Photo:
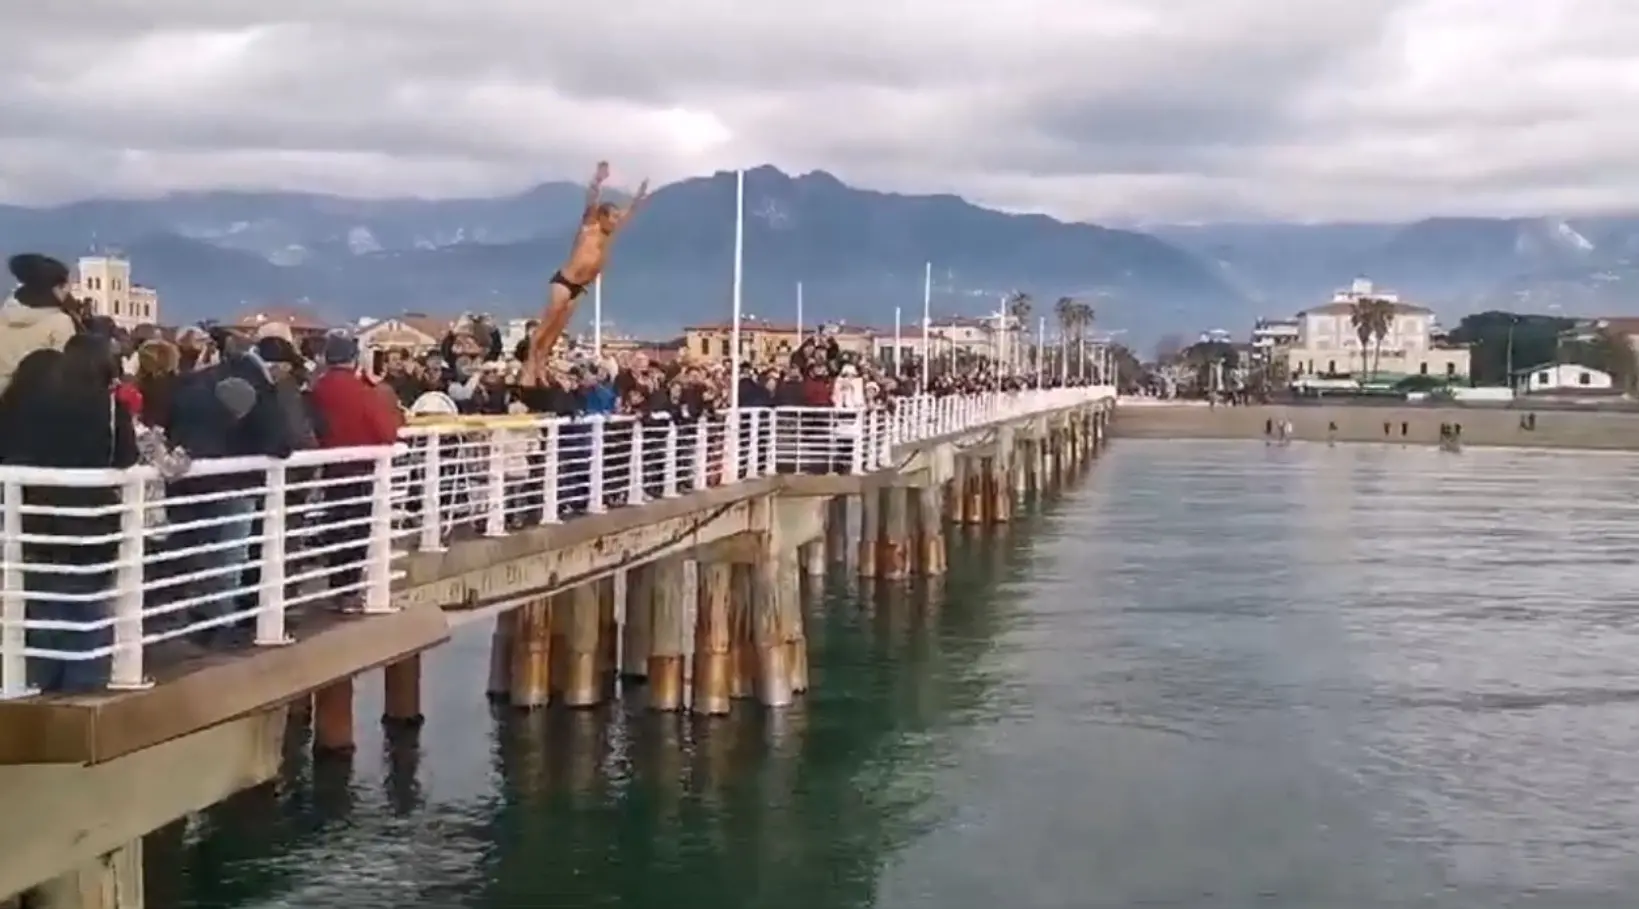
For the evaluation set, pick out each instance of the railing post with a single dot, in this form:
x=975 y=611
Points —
x=432 y=515
x=14 y=605
x=594 y=473
x=733 y=436
x=270 y=601
x=668 y=482
x=861 y=443
x=634 y=479
x=378 y=568
x=771 y=462
x=752 y=439
x=549 y=468
x=495 y=484
x=702 y=453
x=125 y=664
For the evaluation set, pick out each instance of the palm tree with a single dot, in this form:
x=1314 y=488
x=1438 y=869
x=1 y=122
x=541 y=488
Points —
x=1382 y=320
x=1065 y=311
x=1018 y=309
x=1370 y=319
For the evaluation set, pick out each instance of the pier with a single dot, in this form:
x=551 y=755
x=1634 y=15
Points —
x=614 y=557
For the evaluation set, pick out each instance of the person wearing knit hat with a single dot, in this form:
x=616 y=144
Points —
x=340 y=350
x=35 y=316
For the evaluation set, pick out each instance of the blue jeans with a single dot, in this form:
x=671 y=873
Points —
x=54 y=674
x=231 y=526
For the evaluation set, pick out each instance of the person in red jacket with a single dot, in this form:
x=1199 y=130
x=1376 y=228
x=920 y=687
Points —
x=350 y=414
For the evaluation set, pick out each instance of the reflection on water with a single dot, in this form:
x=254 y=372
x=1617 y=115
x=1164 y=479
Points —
x=1215 y=675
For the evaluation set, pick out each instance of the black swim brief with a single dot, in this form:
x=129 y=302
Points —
x=575 y=290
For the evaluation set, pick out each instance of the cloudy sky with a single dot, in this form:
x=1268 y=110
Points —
x=1086 y=109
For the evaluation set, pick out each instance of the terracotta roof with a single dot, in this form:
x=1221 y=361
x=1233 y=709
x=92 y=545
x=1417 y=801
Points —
x=299 y=318
x=427 y=325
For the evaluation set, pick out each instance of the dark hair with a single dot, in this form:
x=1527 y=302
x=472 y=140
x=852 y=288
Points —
x=88 y=364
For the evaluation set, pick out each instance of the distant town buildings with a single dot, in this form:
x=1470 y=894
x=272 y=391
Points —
x=104 y=282
x=1328 y=345
x=1563 y=378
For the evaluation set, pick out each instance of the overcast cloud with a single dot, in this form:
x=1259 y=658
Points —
x=1086 y=109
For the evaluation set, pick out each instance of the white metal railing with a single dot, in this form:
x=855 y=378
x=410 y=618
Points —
x=100 y=569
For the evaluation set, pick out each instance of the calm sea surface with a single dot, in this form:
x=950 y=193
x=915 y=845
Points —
x=1210 y=675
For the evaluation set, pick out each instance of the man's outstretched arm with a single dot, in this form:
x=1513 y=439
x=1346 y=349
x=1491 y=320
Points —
x=638 y=201
x=594 y=190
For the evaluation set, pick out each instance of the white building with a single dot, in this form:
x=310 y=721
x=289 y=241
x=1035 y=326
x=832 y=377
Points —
x=1329 y=346
x=105 y=283
x=1269 y=334
x=1562 y=377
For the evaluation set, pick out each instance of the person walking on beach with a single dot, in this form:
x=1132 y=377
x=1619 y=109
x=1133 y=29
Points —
x=599 y=224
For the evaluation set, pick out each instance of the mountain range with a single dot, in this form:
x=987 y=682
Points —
x=858 y=254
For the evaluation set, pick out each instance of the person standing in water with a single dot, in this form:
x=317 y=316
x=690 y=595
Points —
x=599 y=224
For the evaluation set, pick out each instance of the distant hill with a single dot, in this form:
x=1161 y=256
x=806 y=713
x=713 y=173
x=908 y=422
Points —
x=857 y=252
x=1458 y=265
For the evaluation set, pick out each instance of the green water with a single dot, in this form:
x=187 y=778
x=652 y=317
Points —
x=619 y=807
x=1213 y=675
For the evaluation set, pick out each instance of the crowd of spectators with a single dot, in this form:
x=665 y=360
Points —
x=77 y=392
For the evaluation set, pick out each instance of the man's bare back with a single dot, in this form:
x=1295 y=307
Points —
x=600 y=222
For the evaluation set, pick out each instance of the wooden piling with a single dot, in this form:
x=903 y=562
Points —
x=608 y=634
x=836 y=529
x=580 y=683
x=333 y=718
x=893 y=550
x=1000 y=488
x=499 y=688
x=777 y=596
x=530 y=685
x=741 y=648
x=870 y=532
x=930 y=535
x=713 y=660
x=973 y=493
x=634 y=656
x=667 y=653
x=401 y=692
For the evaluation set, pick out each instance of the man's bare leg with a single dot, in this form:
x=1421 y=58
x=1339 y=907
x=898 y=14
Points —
x=560 y=307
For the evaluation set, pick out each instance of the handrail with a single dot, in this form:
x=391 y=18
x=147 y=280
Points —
x=100 y=568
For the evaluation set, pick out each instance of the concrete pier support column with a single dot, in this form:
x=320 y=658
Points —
x=1044 y=460
x=580 y=683
x=1000 y=488
x=499 y=688
x=668 y=653
x=813 y=558
x=530 y=685
x=113 y=881
x=401 y=692
x=893 y=560
x=956 y=490
x=638 y=629
x=1021 y=466
x=870 y=532
x=930 y=532
x=333 y=718
x=713 y=662
x=836 y=529
x=973 y=491
x=742 y=650
x=608 y=634
x=777 y=600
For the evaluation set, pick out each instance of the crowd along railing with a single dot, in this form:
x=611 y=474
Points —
x=103 y=571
